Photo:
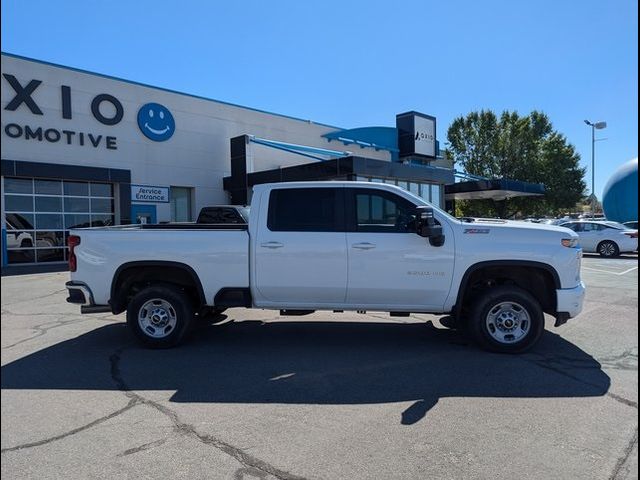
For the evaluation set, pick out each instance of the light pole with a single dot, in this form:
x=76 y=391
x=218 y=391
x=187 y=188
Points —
x=594 y=126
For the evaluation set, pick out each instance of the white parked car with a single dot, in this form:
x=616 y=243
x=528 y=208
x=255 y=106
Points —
x=609 y=239
x=16 y=236
x=555 y=221
x=633 y=225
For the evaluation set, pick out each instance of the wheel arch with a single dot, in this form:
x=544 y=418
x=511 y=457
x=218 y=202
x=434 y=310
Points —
x=500 y=269
x=151 y=271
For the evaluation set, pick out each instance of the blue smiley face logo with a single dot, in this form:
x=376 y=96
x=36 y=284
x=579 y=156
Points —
x=156 y=122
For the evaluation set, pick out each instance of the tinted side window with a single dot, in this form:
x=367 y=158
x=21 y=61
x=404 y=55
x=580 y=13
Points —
x=379 y=211
x=304 y=210
x=573 y=226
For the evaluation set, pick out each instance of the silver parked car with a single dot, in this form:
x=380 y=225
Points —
x=609 y=239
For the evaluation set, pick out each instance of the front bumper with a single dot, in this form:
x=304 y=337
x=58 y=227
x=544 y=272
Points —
x=570 y=301
x=80 y=294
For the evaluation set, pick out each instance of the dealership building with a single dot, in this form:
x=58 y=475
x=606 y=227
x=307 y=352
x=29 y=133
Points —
x=84 y=149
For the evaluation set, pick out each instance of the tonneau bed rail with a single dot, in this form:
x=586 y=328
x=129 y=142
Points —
x=173 y=226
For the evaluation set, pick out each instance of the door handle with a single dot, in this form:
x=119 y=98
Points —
x=364 y=246
x=272 y=245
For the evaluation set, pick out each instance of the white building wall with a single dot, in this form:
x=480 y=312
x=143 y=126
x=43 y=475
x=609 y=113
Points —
x=196 y=156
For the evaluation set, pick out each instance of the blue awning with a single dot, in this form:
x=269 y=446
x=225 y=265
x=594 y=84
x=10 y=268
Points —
x=378 y=138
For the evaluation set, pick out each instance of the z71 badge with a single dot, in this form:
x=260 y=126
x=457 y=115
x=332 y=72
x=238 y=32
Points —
x=474 y=231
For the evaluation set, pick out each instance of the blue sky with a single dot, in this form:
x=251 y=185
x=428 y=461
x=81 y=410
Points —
x=360 y=63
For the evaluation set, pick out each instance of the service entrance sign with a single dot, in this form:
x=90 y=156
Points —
x=148 y=193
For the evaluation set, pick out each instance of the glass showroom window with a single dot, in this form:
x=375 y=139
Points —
x=425 y=191
x=435 y=195
x=39 y=214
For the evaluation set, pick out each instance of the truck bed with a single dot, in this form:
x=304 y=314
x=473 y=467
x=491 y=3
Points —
x=217 y=253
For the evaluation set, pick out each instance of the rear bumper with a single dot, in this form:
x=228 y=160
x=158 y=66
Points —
x=80 y=294
x=630 y=245
x=570 y=301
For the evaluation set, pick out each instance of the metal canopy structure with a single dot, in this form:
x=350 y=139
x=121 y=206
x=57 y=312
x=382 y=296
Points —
x=500 y=189
x=345 y=167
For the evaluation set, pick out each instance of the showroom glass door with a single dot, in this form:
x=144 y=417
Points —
x=180 y=204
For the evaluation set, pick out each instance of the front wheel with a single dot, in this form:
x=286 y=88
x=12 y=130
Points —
x=608 y=249
x=160 y=316
x=506 y=319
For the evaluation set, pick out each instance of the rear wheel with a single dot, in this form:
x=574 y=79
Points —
x=160 y=316
x=608 y=249
x=506 y=319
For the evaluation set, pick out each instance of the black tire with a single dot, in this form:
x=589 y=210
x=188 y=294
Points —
x=161 y=298
x=608 y=249
x=506 y=300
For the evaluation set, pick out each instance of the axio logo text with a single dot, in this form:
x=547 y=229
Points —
x=156 y=122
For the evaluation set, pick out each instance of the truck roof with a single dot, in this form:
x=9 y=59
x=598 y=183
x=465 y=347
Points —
x=327 y=183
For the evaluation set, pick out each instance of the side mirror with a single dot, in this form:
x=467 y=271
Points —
x=426 y=226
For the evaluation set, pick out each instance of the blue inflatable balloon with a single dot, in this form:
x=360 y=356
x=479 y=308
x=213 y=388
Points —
x=620 y=196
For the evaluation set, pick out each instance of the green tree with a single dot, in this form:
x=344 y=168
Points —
x=517 y=148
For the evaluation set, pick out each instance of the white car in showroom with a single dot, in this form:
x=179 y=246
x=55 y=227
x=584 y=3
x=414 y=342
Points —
x=609 y=239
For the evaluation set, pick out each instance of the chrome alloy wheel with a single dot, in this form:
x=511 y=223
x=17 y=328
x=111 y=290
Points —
x=508 y=322
x=607 y=249
x=157 y=318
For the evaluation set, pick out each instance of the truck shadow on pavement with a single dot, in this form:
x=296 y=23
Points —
x=311 y=362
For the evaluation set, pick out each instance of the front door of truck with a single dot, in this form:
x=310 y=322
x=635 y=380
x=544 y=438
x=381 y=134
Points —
x=390 y=265
x=300 y=250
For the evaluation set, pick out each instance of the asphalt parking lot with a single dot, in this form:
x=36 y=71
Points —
x=326 y=396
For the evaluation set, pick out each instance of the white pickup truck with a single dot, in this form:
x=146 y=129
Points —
x=333 y=246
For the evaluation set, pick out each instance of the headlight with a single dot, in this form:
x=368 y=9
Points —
x=569 y=242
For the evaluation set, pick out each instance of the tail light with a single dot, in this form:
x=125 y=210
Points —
x=73 y=241
x=632 y=234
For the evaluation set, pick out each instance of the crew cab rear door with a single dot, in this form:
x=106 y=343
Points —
x=300 y=249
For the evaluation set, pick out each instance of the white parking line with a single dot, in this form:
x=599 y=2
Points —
x=610 y=272
x=627 y=271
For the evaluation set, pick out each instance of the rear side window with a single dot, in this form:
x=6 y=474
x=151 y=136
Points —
x=305 y=210
x=576 y=227
x=591 y=227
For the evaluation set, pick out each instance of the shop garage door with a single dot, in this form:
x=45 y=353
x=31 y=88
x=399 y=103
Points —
x=40 y=212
